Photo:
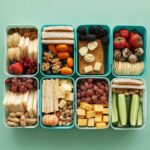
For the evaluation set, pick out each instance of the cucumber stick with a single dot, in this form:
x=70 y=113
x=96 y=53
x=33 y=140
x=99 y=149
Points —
x=122 y=109
x=140 y=115
x=134 y=109
x=128 y=104
x=114 y=108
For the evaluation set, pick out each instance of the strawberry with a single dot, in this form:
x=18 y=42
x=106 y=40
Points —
x=117 y=34
x=136 y=40
x=127 y=45
x=119 y=42
x=124 y=33
x=15 y=68
x=132 y=33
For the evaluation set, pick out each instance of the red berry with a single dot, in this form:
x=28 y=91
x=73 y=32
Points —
x=124 y=33
x=117 y=34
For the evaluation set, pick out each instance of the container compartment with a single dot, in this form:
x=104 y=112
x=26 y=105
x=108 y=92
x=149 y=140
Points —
x=92 y=103
x=21 y=102
x=57 y=103
x=57 y=47
x=21 y=50
x=93 y=50
x=129 y=59
x=128 y=100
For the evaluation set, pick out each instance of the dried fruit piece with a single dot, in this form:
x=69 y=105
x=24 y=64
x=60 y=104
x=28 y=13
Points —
x=89 y=58
x=70 y=62
x=83 y=51
x=132 y=58
x=66 y=71
x=92 y=45
x=63 y=55
x=52 y=48
x=62 y=47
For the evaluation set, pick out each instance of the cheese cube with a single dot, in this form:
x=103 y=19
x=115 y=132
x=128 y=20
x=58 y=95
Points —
x=69 y=97
x=66 y=87
x=105 y=111
x=101 y=125
x=61 y=92
x=91 y=122
x=82 y=103
x=105 y=118
x=86 y=106
x=97 y=66
x=82 y=122
x=62 y=103
x=80 y=112
x=90 y=114
x=88 y=69
x=98 y=108
x=98 y=117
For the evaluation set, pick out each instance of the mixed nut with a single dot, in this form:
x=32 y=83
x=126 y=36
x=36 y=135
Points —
x=57 y=105
x=21 y=102
x=58 y=50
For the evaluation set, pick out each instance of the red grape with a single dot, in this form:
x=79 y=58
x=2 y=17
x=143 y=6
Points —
x=89 y=80
x=13 y=88
x=86 y=85
x=95 y=88
x=78 y=95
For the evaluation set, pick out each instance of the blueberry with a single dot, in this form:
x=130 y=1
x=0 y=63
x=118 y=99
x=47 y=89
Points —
x=82 y=30
x=81 y=37
x=90 y=37
x=92 y=30
x=105 y=40
x=99 y=28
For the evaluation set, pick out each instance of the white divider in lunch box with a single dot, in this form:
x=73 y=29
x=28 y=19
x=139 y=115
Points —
x=6 y=48
x=144 y=99
x=5 y=114
x=109 y=106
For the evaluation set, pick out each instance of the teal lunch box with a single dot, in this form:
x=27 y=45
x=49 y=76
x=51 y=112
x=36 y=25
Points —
x=40 y=109
x=109 y=104
x=107 y=52
x=143 y=32
x=41 y=52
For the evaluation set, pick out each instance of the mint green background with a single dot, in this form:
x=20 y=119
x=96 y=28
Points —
x=115 y=12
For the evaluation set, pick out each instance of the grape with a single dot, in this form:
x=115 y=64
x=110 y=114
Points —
x=103 y=98
x=89 y=92
x=89 y=80
x=102 y=88
x=86 y=85
x=99 y=84
x=8 y=81
x=94 y=101
x=90 y=85
x=95 y=88
x=94 y=97
x=104 y=94
x=35 y=84
x=83 y=93
x=78 y=95
x=88 y=99
x=22 y=88
x=100 y=91
x=78 y=90
x=29 y=86
x=14 y=80
x=83 y=88
x=13 y=88
x=106 y=90
x=30 y=81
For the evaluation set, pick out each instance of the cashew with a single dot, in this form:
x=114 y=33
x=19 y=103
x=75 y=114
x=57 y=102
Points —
x=19 y=114
x=12 y=115
x=16 y=120
x=32 y=121
x=12 y=124
x=68 y=119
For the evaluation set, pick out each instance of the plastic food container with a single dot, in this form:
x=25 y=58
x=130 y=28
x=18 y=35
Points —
x=107 y=52
x=5 y=114
x=41 y=114
x=6 y=48
x=143 y=32
x=109 y=106
x=41 y=52
x=144 y=98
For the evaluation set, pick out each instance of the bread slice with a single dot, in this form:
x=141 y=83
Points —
x=58 y=28
x=123 y=81
x=65 y=41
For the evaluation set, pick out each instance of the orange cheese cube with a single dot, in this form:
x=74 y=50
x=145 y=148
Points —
x=105 y=111
x=101 y=125
x=105 y=118
x=82 y=122
x=80 y=112
x=86 y=106
x=90 y=114
x=98 y=117
x=91 y=122
x=98 y=108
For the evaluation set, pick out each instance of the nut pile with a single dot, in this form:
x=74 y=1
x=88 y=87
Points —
x=22 y=50
x=57 y=106
x=92 y=103
x=128 y=52
x=58 y=50
x=20 y=102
